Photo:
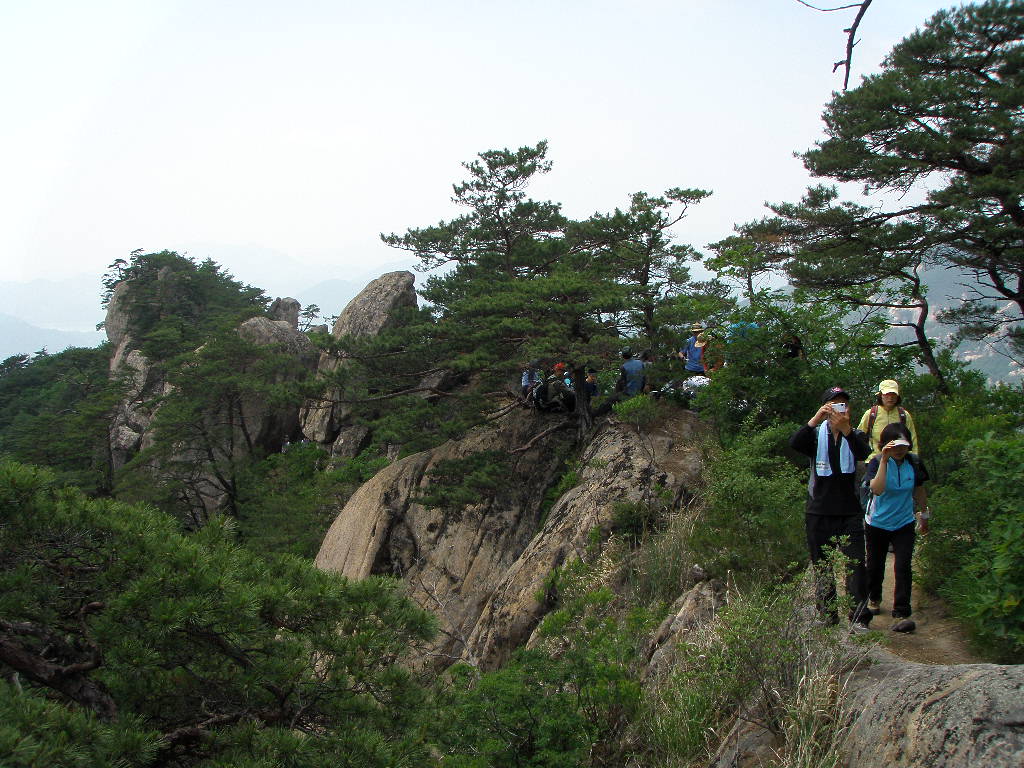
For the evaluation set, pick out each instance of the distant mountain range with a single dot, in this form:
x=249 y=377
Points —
x=18 y=337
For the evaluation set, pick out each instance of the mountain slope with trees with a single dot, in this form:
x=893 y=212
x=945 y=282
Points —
x=621 y=583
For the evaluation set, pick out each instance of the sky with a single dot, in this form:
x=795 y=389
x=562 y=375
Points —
x=280 y=139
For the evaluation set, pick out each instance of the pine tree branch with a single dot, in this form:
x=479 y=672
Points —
x=71 y=680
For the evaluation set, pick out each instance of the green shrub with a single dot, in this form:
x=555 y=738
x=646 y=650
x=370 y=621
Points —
x=634 y=520
x=458 y=483
x=288 y=500
x=638 y=411
x=988 y=592
x=565 y=702
x=973 y=553
x=762 y=657
x=752 y=516
x=192 y=643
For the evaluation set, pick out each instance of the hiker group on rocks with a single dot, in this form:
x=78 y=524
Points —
x=865 y=494
x=861 y=521
x=701 y=355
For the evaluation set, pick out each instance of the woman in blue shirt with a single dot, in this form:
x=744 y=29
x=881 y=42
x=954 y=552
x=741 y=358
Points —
x=897 y=485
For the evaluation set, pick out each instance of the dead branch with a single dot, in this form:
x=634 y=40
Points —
x=545 y=433
x=851 y=34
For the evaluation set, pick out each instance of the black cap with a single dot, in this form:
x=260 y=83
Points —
x=832 y=393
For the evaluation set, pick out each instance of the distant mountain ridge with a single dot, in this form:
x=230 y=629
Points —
x=18 y=337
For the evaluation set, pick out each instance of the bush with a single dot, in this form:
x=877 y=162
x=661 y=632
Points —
x=288 y=500
x=763 y=658
x=974 y=552
x=638 y=411
x=192 y=643
x=988 y=592
x=752 y=517
x=565 y=702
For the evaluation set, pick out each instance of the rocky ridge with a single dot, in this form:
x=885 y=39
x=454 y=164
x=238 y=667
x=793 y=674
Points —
x=326 y=421
x=267 y=425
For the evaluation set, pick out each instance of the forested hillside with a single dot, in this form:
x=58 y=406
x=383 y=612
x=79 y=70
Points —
x=486 y=519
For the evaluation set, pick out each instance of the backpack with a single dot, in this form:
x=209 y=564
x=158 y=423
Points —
x=874 y=415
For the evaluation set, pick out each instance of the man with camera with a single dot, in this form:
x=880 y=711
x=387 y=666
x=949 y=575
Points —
x=834 y=518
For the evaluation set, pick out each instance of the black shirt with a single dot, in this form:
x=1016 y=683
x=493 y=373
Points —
x=834 y=494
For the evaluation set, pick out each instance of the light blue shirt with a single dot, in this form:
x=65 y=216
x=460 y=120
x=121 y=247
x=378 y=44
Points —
x=894 y=508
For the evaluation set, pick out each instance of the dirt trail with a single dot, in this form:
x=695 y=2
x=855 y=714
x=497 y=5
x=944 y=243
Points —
x=938 y=639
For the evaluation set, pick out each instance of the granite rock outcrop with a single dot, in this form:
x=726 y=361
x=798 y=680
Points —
x=480 y=569
x=326 y=421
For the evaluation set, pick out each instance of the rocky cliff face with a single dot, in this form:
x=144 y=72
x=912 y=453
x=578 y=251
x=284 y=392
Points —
x=268 y=426
x=480 y=570
x=367 y=314
x=143 y=386
x=115 y=324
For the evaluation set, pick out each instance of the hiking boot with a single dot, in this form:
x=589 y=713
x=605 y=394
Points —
x=859 y=628
x=875 y=606
x=904 y=625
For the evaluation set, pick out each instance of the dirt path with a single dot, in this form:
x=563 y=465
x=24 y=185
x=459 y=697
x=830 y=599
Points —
x=938 y=638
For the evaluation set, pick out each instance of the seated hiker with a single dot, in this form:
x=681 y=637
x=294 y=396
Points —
x=557 y=395
x=532 y=376
x=590 y=384
x=632 y=375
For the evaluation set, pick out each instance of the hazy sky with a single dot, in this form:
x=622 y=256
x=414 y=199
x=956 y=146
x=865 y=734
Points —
x=281 y=138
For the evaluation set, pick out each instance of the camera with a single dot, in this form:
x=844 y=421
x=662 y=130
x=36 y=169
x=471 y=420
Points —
x=838 y=407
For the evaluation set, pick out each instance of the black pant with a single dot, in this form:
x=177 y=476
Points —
x=902 y=540
x=846 y=534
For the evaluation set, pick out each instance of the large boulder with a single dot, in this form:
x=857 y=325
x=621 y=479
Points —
x=692 y=610
x=452 y=560
x=287 y=310
x=619 y=465
x=269 y=425
x=901 y=714
x=480 y=569
x=933 y=716
x=369 y=313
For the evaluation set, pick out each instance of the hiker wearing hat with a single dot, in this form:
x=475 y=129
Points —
x=834 y=518
x=887 y=410
x=692 y=353
x=896 y=478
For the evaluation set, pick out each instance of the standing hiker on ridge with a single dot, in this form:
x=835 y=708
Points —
x=887 y=410
x=896 y=478
x=834 y=518
x=632 y=375
x=691 y=354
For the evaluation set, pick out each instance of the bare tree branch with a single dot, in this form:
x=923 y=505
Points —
x=545 y=433
x=851 y=33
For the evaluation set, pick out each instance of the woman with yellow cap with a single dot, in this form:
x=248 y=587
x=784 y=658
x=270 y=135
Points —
x=887 y=410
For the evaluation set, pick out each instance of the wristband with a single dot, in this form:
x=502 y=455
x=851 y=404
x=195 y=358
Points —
x=925 y=513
